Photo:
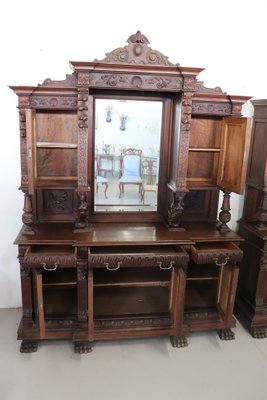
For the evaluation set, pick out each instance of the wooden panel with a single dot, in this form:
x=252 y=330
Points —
x=202 y=165
x=56 y=126
x=56 y=162
x=258 y=154
x=205 y=132
x=233 y=156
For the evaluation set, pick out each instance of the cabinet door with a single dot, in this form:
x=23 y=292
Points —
x=233 y=154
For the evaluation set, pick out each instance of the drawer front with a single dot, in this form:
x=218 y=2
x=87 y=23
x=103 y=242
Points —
x=116 y=261
x=221 y=253
x=49 y=258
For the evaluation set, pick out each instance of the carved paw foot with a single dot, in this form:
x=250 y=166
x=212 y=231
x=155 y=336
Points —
x=28 y=346
x=226 y=334
x=82 y=347
x=179 y=341
x=259 y=332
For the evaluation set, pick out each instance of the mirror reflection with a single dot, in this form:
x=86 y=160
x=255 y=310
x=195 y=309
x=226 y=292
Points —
x=127 y=150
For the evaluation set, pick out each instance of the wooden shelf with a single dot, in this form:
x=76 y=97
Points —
x=131 y=277
x=55 y=145
x=205 y=149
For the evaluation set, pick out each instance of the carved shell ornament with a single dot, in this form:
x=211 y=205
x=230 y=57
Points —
x=136 y=52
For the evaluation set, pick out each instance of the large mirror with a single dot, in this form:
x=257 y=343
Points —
x=127 y=152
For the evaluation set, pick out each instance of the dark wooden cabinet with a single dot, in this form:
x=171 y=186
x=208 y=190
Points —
x=251 y=304
x=151 y=260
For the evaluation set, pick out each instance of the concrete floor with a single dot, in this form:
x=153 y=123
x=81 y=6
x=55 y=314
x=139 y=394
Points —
x=149 y=369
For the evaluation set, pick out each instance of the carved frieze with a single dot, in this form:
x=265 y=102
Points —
x=127 y=323
x=133 y=81
x=202 y=107
x=117 y=261
x=49 y=261
x=136 y=52
x=64 y=102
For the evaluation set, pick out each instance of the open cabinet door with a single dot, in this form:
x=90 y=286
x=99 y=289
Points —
x=233 y=154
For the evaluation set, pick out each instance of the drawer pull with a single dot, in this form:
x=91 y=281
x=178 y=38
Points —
x=115 y=268
x=221 y=264
x=50 y=269
x=159 y=263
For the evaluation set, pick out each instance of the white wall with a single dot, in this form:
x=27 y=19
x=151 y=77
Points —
x=39 y=38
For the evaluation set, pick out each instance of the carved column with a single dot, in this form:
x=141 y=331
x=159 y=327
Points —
x=225 y=215
x=82 y=211
x=177 y=203
x=28 y=216
x=82 y=257
x=26 y=285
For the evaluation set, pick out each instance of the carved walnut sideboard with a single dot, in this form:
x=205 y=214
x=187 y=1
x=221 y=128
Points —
x=92 y=270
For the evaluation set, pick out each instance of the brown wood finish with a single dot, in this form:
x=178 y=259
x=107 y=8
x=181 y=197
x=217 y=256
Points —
x=251 y=305
x=85 y=276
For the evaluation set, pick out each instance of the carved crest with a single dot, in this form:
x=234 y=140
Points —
x=136 y=52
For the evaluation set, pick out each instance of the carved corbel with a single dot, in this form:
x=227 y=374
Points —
x=176 y=209
x=82 y=212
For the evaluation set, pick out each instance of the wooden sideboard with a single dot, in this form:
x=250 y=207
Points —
x=128 y=265
x=251 y=305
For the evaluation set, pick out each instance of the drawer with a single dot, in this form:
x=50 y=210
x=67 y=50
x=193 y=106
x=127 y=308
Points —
x=217 y=252
x=112 y=258
x=50 y=257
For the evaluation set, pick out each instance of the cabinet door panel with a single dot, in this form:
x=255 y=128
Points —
x=233 y=155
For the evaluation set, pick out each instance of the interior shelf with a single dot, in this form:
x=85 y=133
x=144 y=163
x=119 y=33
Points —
x=131 y=277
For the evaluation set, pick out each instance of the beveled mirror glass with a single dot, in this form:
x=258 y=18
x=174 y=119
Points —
x=127 y=153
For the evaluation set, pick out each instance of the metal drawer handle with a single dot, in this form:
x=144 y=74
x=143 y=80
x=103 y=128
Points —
x=50 y=269
x=159 y=263
x=119 y=263
x=221 y=264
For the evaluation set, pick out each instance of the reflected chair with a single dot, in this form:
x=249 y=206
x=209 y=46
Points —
x=150 y=166
x=100 y=180
x=130 y=169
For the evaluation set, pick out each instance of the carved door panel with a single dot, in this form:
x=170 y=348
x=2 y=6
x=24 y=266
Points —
x=227 y=285
x=233 y=154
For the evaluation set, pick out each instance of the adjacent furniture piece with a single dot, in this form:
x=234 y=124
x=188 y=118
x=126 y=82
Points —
x=251 y=304
x=88 y=275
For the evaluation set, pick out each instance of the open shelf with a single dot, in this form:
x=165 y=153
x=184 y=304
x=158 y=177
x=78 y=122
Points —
x=121 y=301
x=131 y=277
